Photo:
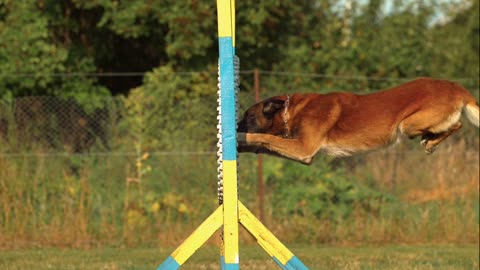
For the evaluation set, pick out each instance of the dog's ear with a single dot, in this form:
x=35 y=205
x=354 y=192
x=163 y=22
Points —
x=272 y=106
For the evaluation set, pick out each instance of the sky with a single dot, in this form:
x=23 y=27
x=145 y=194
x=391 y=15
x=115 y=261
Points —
x=390 y=6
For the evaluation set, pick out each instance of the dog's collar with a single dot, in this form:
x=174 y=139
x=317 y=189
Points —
x=286 y=117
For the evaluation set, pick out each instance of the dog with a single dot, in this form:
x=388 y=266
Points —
x=299 y=126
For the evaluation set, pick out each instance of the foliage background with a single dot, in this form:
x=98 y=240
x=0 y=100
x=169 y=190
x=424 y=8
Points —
x=107 y=119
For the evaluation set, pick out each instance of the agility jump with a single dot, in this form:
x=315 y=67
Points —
x=231 y=211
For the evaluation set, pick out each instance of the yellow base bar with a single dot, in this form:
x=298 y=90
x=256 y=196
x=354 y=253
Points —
x=264 y=237
x=281 y=254
x=199 y=236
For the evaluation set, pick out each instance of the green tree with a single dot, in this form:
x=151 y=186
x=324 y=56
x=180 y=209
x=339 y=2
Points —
x=32 y=62
x=301 y=36
x=172 y=112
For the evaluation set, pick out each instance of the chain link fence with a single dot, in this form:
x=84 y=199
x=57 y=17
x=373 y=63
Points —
x=56 y=125
x=65 y=125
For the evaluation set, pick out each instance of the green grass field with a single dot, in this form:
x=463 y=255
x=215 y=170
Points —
x=252 y=257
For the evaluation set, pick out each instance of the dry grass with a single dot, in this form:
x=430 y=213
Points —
x=452 y=172
x=42 y=203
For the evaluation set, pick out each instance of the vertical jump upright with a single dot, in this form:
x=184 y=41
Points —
x=231 y=211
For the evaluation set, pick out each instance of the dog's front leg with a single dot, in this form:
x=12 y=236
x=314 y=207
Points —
x=290 y=148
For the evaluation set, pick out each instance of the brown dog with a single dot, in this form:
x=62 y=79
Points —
x=341 y=124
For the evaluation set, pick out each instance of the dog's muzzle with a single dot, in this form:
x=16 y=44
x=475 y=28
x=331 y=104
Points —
x=242 y=126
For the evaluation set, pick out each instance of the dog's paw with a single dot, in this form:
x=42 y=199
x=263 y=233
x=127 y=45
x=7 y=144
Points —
x=241 y=138
x=430 y=149
x=424 y=142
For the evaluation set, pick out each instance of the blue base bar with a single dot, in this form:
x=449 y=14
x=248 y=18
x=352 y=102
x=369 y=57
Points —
x=293 y=264
x=169 y=264
x=228 y=266
x=222 y=262
x=296 y=264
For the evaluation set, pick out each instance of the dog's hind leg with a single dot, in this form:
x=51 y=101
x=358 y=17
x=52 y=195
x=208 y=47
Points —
x=434 y=127
x=431 y=140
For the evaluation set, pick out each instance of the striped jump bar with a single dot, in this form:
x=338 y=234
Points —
x=232 y=212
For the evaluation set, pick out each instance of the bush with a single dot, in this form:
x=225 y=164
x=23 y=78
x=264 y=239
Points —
x=320 y=191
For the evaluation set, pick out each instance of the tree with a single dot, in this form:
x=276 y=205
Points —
x=31 y=60
x=80 y=36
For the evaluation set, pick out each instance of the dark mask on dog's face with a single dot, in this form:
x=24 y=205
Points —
x=259 y=118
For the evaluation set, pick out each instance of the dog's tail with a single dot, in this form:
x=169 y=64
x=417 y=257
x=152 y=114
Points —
x=472 y=112
x=470 y=106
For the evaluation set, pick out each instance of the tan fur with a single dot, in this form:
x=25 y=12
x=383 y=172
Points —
x=341 y=124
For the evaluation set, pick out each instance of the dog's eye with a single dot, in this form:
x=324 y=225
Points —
x=251 y=116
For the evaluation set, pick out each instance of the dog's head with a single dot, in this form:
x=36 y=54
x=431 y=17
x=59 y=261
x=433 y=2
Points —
x=261 y=117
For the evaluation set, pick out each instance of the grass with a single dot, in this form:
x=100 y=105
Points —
x=398 y=257
x=86 y=200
